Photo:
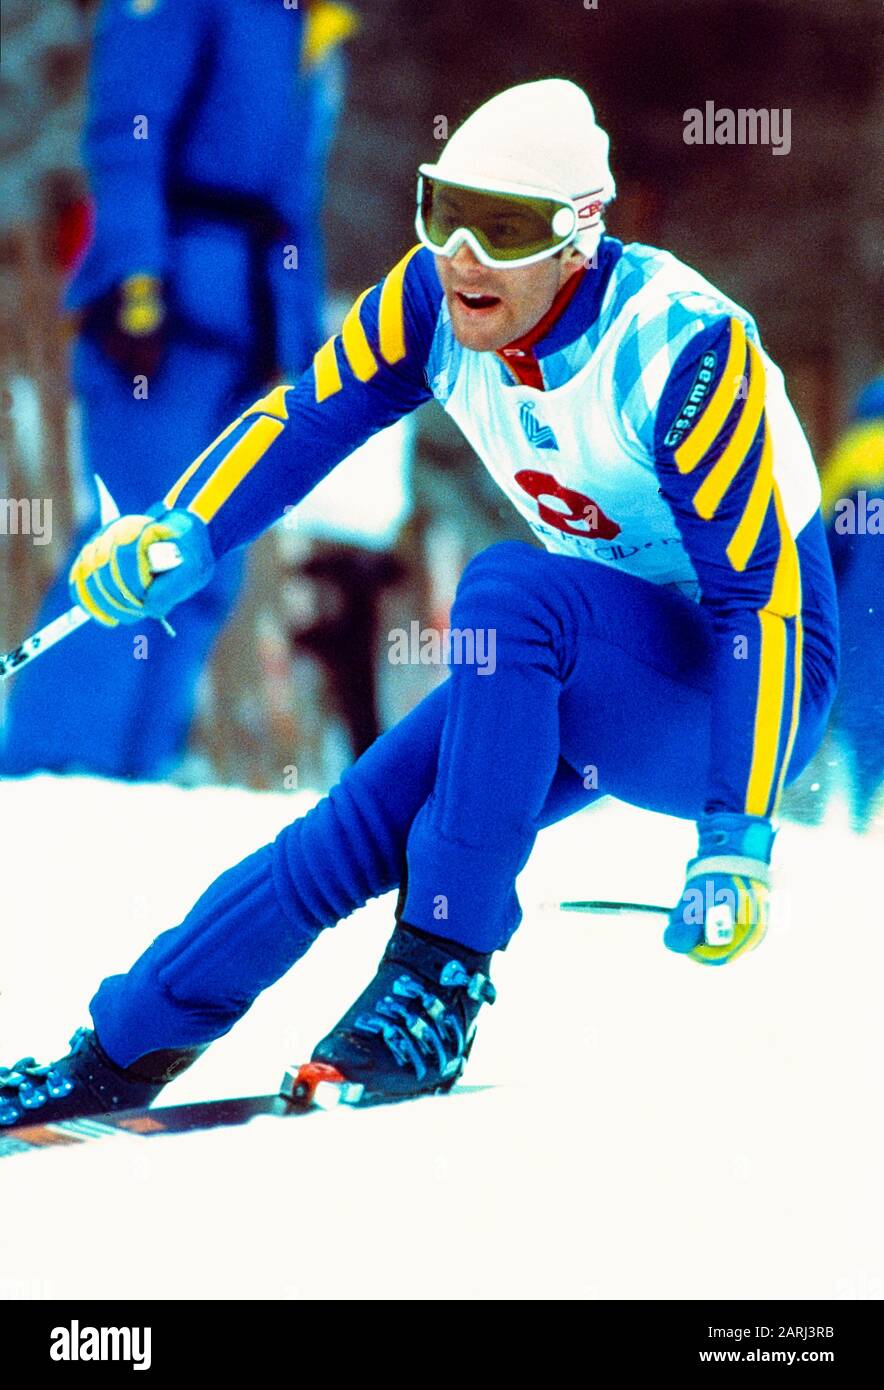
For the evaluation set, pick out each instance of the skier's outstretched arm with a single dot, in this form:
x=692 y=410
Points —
x=364 y=378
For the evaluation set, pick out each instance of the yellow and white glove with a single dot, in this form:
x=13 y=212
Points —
x=724 y=907
x=114 y=580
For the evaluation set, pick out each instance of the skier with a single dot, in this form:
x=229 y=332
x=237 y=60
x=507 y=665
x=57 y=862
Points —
x=678 y=633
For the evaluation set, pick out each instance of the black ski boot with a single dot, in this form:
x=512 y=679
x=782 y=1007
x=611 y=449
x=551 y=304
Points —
x=410 y=1032
x=85 y=1082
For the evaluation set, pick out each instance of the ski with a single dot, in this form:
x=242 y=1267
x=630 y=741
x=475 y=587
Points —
x=305 y=1090
x=145 y=1122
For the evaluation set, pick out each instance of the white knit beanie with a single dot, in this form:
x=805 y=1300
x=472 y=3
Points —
x=540 y=134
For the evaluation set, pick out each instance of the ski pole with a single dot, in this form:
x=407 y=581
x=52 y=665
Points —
x=162 y=556
x=603 y=906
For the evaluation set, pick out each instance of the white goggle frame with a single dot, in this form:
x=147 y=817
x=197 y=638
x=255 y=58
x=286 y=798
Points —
x=463 y=234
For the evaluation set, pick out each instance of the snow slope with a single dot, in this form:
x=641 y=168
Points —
x=653 y=1130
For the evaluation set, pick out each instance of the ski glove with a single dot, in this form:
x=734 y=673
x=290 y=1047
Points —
x=112 y=576
x=723 y=910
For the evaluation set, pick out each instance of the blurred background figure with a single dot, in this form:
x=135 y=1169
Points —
x=206 y=139
x=853 y=505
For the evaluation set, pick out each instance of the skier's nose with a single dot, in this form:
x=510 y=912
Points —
x=464 y=258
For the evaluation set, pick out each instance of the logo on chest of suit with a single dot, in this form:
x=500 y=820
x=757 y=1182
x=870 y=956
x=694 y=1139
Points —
x=540 y=435
x=573 y=512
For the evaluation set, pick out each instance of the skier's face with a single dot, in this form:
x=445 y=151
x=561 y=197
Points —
x=489 y=308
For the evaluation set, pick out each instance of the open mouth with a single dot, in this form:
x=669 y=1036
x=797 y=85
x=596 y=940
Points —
x=477 y=301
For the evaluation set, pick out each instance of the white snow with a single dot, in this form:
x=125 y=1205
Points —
x=651 y=1129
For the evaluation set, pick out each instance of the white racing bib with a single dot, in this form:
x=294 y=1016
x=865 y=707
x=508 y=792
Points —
x=585 y=483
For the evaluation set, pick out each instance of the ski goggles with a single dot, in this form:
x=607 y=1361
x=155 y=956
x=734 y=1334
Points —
x=505 y=226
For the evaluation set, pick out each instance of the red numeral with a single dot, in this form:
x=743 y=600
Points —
x=581 y=508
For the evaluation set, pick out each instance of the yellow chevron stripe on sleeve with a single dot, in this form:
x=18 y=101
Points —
x=725 y=469
x=391 y=320
x=274 y=403
x=768 y=712
x=239 y=461
x=356 y=345
x=784 y=602
x=178 y=487
x=694 y=446
x=785 y=595
x=745 y=538
x=326 y=371
x=796 y=710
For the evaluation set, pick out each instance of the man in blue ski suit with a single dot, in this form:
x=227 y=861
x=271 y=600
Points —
x=677 y=634
x=209 y=123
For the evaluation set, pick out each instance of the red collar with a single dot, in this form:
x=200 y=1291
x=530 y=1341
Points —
x=519 y=355
x=524 y=344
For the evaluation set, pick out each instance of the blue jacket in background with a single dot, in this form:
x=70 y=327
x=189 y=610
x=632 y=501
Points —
x=206 y=139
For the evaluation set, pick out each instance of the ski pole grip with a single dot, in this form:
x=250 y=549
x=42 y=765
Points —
x=163 y=556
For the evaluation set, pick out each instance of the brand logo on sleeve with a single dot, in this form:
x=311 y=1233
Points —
x=693 y=400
